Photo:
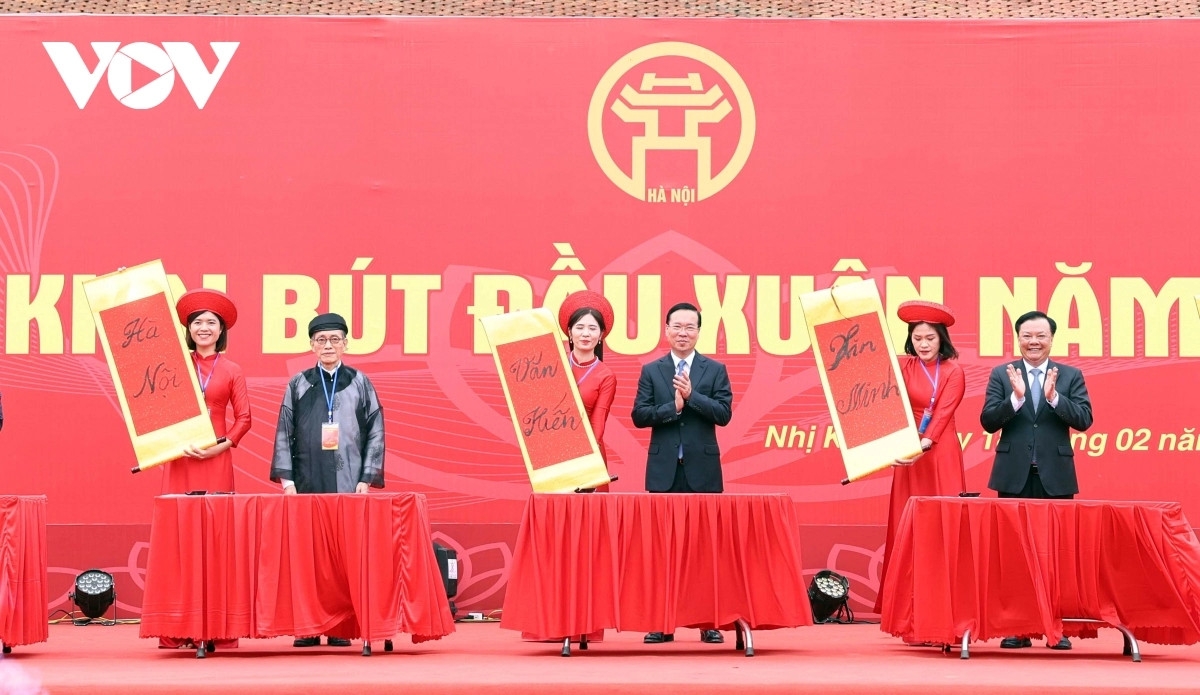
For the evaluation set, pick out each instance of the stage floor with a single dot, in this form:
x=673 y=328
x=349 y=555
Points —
x=843 y=659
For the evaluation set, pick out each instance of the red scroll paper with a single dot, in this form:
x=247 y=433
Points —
x=863 y=384
x=552 y=426
x=154 y=378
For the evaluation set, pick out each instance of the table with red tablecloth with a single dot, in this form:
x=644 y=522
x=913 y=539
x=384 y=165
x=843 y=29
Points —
x=988 y=568
x=23 y=570
x=353 y=566
x=653 y=563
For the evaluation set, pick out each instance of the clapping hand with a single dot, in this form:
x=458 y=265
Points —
x=1051 y=382
x=683 y=390
x=683 y=385
x=1017 y=381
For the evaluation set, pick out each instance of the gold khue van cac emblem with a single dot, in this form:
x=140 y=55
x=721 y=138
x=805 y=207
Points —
x=671 y=123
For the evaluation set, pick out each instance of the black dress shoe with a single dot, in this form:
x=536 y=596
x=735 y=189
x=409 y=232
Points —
x=307 y=642
x=1015 y=643
x=658 y=638
x=1063 y=645
x=712 y=637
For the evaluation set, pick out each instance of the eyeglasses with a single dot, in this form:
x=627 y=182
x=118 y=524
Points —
x=332 y=340
x=676 y=328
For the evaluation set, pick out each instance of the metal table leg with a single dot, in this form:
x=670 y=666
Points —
x=1131 y=645
x=1130 y=648
x=744 y=633
x=566 y=649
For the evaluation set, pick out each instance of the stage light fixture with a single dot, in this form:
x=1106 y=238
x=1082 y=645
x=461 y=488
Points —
x=829 y=594
x=94 y=593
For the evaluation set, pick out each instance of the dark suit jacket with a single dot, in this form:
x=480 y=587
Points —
x=711 y=404
x=1046 y=433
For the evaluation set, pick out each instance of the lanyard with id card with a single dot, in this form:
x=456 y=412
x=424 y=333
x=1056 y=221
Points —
x=329 y=429
x=937 y=373
x=200 y=374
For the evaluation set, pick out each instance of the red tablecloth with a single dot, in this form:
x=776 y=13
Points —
x=653 y=562
x=1016 y=567
x=354 y=566
x=23 y=599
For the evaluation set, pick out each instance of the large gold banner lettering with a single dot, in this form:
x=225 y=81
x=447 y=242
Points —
x=552 y=426
x=154 y=377
x=860 y=374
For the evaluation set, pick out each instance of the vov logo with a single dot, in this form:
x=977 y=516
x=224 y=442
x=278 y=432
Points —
x=117 y=60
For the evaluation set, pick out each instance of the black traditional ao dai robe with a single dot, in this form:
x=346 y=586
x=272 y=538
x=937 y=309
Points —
x=298 y=454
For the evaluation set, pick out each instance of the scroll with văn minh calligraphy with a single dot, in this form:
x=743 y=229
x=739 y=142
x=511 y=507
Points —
x=155 y=380
x=553 y=429
x=863 y=385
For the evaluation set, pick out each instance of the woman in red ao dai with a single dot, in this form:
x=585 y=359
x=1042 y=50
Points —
x=935 y=385
x=208 y=315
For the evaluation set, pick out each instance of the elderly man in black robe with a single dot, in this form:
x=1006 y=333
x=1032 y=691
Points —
x=330 y=432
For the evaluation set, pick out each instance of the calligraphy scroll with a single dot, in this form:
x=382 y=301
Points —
x=155 y=381
x=864 y=387
x=552 y=426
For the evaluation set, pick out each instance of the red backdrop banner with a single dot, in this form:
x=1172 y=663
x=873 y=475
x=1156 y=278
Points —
x=417 y=174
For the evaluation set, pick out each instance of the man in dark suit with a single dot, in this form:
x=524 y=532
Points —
x=1036 y=403
x=683 y=396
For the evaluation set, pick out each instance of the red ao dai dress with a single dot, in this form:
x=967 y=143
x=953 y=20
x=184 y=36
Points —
x=939 y=471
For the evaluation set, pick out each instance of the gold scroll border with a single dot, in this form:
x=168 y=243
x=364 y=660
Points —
x=124 y=286
x=586 y=471
x=859 y=299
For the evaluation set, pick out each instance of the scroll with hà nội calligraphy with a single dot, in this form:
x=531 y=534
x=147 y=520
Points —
x=154 y=377
x=553 y=429
x=863 y=385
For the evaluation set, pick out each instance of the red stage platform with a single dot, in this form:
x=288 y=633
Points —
x=844 y=659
